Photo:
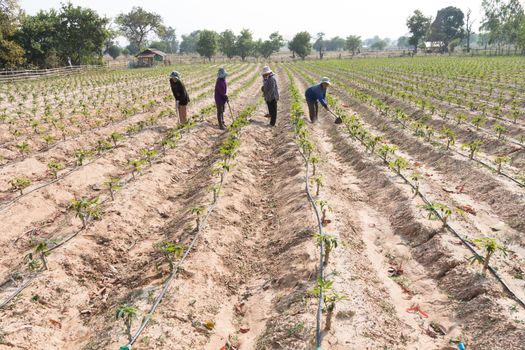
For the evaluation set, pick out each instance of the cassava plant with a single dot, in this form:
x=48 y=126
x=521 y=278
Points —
x=415 y=177
x=149 y=155
x=500 y=161
x=136 y=166
x=319 y=182
x=86 y=209
x=330 y=299
x=197 y=211
x=127 y=313
x=115 y=137
x=490 y=247
x=399 y=164
x=473 y=147
x=81 y=155
x=329 y=242
x=54 y=167
x=20 y=183
x=113 y=184
x=170 y=251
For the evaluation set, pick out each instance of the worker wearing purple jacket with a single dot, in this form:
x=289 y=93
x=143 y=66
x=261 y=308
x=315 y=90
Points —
x=221 y=97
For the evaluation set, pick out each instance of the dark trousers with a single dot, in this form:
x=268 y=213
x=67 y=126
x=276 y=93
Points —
x=272 y=110
x=220 y=113
x=313 y=108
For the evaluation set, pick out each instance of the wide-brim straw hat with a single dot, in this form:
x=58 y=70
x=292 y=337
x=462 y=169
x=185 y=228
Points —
x=175 y=74
x=222 y=73
x=325 y=80
x=266 y=70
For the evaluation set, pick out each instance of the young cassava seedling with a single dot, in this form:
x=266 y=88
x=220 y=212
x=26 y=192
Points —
x=86 y=209
x=20 y=183
x=115 y=137
x=136 y=166
x=126 y=313
x=473 y=147
x=113 y=184
x=81 y=155
x=330 y=298
x=197 y=211
x=170 y=252
x=491 y=247
x=149 y=155
x=54 y=167
x=416 y=176
x=330 y=242
x=500 y=160
x=318 y=180
x=314 y=160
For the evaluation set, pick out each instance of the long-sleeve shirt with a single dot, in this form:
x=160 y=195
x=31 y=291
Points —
x=221 y=89
x=179 y=91
x=316 y=93
x=270 y=89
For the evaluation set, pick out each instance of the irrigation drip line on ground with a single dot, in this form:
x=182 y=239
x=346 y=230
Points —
x=173 y=274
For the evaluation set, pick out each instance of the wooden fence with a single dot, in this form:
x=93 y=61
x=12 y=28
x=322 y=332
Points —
x=15 y=75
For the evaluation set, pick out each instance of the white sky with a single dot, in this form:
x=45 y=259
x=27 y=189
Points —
x=386 y=18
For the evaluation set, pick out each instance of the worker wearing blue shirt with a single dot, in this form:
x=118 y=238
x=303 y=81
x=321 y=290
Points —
x=317 y=94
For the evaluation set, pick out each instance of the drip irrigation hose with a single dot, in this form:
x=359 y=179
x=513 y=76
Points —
x=173 y=274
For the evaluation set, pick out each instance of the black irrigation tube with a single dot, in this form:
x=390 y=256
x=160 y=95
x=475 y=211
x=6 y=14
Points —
x=73 y=235
x=520 y=184
x=7 y=204
x=173 y=274
x=318 y=333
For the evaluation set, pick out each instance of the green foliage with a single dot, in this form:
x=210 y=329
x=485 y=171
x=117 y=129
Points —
x=500 y=160
x=418 y=26
x=399 y=164
x=170 y=252
x=207 y=44
x=113 y=184
x=300 y=44
x=137 y=24
x=473 y=147
x=329 y=242
x=115 y=137
x=244 y=44
x=227 y=43
x=136 y=166
x=81 y=155
x=86 y=209
x=20 y=183
x=353 y=43
x=490 y=246
x=271 y=46
x=126 y=313
x=54 y=167
x=447 y=26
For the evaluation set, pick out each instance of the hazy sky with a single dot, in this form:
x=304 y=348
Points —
x=366 y=18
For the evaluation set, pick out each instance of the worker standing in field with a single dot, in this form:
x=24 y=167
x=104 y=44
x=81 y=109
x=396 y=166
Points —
x=181 y=95
x=271 y=93
x=317 y=94
x=221 y=98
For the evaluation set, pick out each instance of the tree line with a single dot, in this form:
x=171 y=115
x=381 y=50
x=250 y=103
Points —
x=79 y=35
x=502 y=25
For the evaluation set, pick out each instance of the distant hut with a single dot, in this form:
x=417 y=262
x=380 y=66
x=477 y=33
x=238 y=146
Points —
x=151 y=57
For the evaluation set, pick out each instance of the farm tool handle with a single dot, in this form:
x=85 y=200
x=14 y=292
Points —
x=338 y=119
x=230 y=107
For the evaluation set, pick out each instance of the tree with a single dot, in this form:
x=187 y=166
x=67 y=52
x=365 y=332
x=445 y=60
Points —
x=353 y=43
x=189 y=42
x=207 y=44
x=402 y=42
x=82 y=34
x=244 y=44
x=168 y=39
x=335 y=44
x=447 y=26
x=227 y=43
x=271 y=46
x=300 y=44
x=379 y=45
x=418 y=25
x=11 y=52
x=468 y=28
x=138 y=24
x=114 y=51
x=320 y=45
x=49 y=38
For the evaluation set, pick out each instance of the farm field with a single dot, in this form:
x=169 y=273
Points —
x=121 y=227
